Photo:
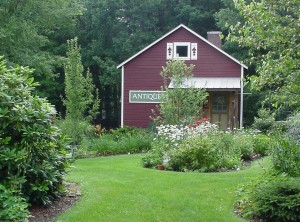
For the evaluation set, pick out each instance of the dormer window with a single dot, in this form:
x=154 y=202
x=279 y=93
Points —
x=182 y=51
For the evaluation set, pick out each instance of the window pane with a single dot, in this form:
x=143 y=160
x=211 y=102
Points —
x=219 y=103
x=182 y=51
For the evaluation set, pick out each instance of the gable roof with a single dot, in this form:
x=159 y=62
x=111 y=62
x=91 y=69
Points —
x=191 y=31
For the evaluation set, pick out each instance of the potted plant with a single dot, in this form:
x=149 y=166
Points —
x=160 y=167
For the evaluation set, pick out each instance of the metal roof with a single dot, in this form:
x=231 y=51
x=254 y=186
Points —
x=199 y=36
x=210 y=83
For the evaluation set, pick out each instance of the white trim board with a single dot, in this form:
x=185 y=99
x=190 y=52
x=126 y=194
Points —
x=122 y=98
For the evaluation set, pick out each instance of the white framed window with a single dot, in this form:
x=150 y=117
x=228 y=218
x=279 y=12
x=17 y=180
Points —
x=182 y=51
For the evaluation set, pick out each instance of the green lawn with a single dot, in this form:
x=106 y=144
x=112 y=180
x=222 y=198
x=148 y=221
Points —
x=119 y=189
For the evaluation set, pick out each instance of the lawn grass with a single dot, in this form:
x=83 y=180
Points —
x=118 y=189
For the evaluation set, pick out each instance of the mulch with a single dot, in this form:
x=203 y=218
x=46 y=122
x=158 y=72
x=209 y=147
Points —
x=58 y=206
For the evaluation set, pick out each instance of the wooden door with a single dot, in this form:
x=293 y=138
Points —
x=219 y=109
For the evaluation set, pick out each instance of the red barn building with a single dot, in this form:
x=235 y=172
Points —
x=215 y=70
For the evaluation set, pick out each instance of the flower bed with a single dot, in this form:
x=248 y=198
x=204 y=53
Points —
x=201 y=146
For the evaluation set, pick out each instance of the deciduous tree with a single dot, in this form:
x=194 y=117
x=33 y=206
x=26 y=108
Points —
x=182 y=103
x=271 y=32
x=81 y=100
x=34 y=33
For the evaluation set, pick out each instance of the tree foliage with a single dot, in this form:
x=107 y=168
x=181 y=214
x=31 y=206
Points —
x=32 y=160
x=112 y=31
x=183 y=103
x=34 y=33
x=27 y=31
x=226 y=17
x=271 y=32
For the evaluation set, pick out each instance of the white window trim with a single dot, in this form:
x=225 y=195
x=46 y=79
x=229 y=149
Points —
x=188 y=44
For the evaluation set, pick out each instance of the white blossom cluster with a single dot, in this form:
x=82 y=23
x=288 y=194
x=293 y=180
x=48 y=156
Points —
x=203 y=127
x=172 y=133
x=175 y=133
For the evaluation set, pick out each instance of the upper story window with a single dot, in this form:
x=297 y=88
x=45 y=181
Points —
x=182 y=50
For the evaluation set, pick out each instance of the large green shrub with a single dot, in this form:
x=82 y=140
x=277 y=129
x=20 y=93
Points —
x=271 y=199
x=262 y=144
x=278 y=201
x=286 y=156
x=208 y=152
x=12 y=206
x=32 y=156
x=243 y=141
x=196 y=153
x=265 y=120
x=285 y=150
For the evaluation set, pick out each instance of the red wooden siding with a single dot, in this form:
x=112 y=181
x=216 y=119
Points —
x=143 y=72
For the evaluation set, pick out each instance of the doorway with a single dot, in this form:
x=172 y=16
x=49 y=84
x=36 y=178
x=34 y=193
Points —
x=219 y=109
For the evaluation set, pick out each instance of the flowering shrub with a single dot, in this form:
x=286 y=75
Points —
x=200 y=146
x=99 y=130
x=199 y=122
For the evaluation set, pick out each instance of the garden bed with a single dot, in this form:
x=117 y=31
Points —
x=60 y=205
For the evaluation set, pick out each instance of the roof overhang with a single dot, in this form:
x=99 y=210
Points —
x=199 y=36
x=211 y=83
